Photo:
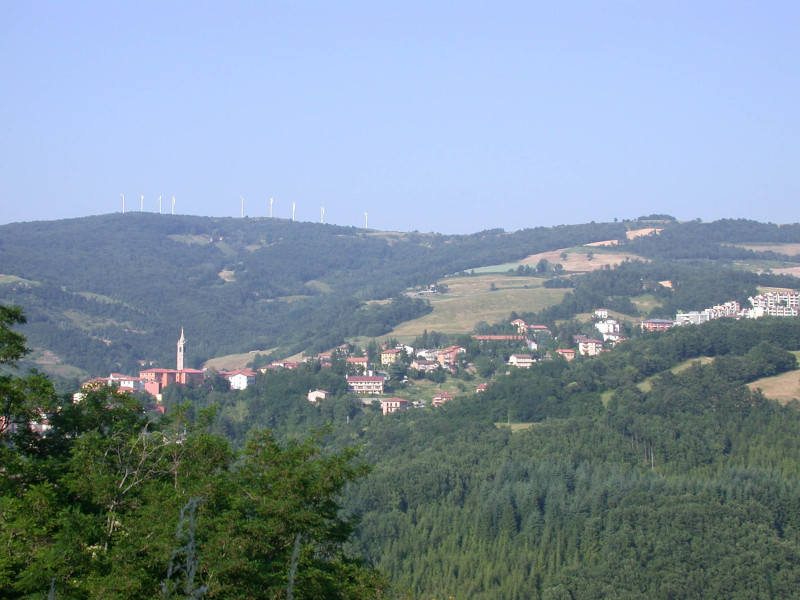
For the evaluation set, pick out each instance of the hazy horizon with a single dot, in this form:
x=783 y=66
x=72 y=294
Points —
x=442 y=116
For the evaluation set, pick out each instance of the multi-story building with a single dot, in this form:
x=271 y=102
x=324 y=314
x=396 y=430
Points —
x=776 y=304
x=523 y=361
x=590 y=347
x=657 y=324
x=390 y=405
x=365 y=384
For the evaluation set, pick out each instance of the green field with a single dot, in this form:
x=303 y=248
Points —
x=784 y=388
x=232 y=362
x=15 y=279
x=471 y=300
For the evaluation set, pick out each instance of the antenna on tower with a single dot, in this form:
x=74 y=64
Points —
x=322 y=215
x=141 y=203
x=123 y=203
x=173 y=205
x=271 y=200
x=366 y=221
x=159 y=205
x=242 y=197
x=292 y=211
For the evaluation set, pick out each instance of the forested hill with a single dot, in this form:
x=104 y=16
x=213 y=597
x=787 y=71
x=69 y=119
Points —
x=109 y=292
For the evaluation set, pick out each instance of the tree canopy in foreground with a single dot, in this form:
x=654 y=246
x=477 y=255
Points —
x=112 y=503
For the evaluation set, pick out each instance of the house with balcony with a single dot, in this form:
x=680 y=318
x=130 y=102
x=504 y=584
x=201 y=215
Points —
x=448 y=356
x=365 y=384
x=441 y=398
x=522 y=361
x=390 y=356
x=424 y=366
x=657 y=324
x=391 y=405
x=590 y=347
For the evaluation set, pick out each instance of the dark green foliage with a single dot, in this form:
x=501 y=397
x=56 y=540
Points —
x=714 y=240
x=104 y=293
x=695 y=286
x=89 y=509
x=688 y=490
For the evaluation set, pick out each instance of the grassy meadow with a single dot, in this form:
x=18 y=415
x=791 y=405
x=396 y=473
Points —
x=784 y=388
x=471 y=300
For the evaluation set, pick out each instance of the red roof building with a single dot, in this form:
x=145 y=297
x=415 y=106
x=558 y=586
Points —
x=365 y=384
x=390 y=405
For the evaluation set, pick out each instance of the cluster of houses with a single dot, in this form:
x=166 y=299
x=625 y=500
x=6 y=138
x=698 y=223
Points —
x=364 y=382
x=153 y=381
x=782 y=303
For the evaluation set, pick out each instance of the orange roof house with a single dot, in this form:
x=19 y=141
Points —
x=441 y=398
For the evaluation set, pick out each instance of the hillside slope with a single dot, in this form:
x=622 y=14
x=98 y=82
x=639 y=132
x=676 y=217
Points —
x=112 y=292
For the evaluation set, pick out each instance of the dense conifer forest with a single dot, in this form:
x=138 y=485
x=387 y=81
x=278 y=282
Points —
x=627 y=480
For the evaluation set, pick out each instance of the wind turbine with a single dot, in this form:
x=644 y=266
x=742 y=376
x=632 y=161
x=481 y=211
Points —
x=292 y=211
x=366 y=221
x=271 y=200
x=173 y=205
x=242 y=197
x=123 y=203
x=322 y=215
x=159 y=205
x=141 y=203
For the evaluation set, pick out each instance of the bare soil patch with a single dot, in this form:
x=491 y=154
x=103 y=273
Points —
x=629 y=234
x=784 y=387
x=789 y=249
x=471 y=300
x=578 y=260
x=232 y=361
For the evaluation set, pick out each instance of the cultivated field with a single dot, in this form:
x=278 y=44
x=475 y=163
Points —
x=783 y=388
x=470 y=300
x=231 y=362
x=633 y=234
x=788 y=249
x=579 y=259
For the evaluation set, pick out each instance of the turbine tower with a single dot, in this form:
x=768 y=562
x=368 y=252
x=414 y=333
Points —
x=292 y=211
x=159 y=205
x=123 y=203
x=271 y=200
x=322 y=215
x=173 y=205
x=242 y=197
x=141 y=203
x=366 y=221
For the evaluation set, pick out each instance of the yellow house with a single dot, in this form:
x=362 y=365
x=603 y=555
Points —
x=388 y=357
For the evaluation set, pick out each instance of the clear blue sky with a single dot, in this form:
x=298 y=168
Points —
x=448 y=116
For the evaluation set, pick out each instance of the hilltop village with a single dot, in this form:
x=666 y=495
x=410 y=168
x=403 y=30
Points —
x=368 y=379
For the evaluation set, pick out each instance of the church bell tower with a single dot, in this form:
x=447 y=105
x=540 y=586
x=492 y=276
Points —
x=181 y=343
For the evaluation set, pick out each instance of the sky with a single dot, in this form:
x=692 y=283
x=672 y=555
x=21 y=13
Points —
x=445 y=116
